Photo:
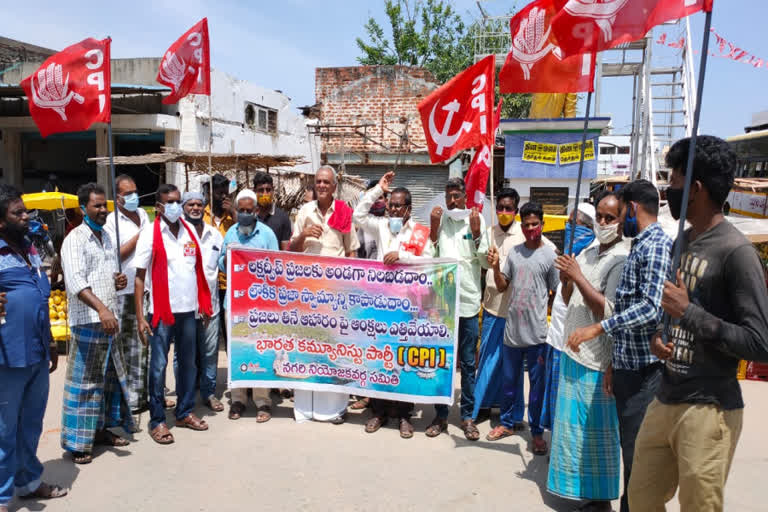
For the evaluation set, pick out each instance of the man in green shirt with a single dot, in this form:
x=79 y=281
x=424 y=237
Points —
x=459 y=233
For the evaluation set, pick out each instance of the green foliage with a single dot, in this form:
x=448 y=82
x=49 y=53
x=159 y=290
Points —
x=430 y=34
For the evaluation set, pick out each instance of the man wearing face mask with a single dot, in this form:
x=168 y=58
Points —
x=27 y=355
x=530 y=271
x=583 y=236
x=587 y=433
x=400 y=239
x=269 y=213
x=132 y=220
x=248 y=231
x=95 y=390
x=460 y=233
x=718 y=306
x=505 y=233
x=207 y=332
x=635 y=373
x=169 y=256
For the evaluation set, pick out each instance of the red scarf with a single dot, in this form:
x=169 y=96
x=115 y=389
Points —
x=341 y=218
x=160 y=298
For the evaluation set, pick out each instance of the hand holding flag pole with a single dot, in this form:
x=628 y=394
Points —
x=678 y=247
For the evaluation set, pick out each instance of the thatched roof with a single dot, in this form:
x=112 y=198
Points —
x=198 y=161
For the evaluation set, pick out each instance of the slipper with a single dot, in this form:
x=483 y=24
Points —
x=236 y=410
x=161 y=435
x=82 y=457
x=169 y=404
x=470 y=430
x=192 y=422
x=360 y=404
x=406 y=428
x=375 y=423
x=499 y=432
x=45 y=491
x=437 y=427
x=214 y=404
x=107 y=438
x=264 y=414
x=539 y=446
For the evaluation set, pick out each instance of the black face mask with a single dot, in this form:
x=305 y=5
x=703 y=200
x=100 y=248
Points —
x=246 y=219
x=675 y=201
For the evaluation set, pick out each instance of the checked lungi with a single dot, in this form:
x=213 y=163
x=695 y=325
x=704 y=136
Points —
x=135 y=355
x=584 y=461
x=94 y=386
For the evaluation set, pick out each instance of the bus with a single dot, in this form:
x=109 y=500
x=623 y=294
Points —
x=749 y=195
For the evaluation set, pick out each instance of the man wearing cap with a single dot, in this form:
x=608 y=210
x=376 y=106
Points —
x=248 y=231
x=207 y=331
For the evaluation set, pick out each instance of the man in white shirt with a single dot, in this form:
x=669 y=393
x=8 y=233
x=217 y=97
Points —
x=132 y=220
x=169 y=249
x=399 y=239
x=94 y=389
x=323 y=227
x=207 y=335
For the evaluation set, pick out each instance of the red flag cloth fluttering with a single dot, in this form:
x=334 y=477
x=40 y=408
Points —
x=458 y=115
x=536 y=62
x=72 y=89
x=476 y=179
x=186 y=65
x=583 y=26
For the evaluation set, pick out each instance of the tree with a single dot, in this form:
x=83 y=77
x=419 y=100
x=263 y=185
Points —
x=430 y=34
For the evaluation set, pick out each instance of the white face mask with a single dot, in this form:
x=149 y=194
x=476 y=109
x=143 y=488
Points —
x=457 y=214
x=608 y=233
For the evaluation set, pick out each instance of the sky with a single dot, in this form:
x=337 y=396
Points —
x=279 y=44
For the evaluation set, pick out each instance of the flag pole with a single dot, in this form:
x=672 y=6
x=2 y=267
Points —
x=581 y=170
x=677 y=251
x=114 y=195
x=210 y=149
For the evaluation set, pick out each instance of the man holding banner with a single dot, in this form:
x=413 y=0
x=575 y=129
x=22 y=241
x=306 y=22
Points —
x=400 y=239
x=323 y=227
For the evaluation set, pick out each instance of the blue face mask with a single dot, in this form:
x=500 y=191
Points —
x=395 y=224
x=90 y=223
x=131 y=202
x=172 y=212
x=630 y=224
x=584 y=237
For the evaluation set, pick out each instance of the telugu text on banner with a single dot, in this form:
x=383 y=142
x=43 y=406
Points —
x=335 y=324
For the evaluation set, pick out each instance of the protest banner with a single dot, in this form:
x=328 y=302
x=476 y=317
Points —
x=334 y=324
x=571 y=153
x=539 y=152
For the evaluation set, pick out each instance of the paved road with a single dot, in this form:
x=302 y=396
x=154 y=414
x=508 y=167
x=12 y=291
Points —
x=279 y=465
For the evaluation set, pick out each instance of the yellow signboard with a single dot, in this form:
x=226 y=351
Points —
x=540 y=152
x=571 y=153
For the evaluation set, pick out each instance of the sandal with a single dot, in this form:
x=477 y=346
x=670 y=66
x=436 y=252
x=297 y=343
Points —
x=82 y=457
x=214 y=404
x=339 y=420
x=169 y=404
x=236 y=410
x=264 y=414
x=437 y=427
x=539 y=446
x=192 y=422
x=499 y=432
x=375 y=423
x=161 y=435
x=406 y=428
x=45 y=491
x=470 y=430
x=360 y=404
x=107 y=438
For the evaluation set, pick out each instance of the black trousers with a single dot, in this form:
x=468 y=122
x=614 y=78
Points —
x=634 y=390
x=380 y=407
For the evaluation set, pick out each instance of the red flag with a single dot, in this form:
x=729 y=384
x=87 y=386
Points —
x=186 y=66
x=458 y=115
x=595 y=25
x=535 y=62
x=71 y=90
x=476 y=179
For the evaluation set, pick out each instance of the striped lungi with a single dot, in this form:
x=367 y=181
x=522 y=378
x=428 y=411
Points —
x=584 y=460
x=93 y=389
x=135 y=355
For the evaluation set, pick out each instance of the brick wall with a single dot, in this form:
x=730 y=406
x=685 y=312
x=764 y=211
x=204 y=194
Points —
x=386 y=96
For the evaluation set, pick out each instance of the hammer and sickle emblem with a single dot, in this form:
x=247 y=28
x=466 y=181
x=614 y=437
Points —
x=443 y=138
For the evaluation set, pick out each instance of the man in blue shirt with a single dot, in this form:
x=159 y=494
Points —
x=635 y=374
x=25 y=348
x=250 y=232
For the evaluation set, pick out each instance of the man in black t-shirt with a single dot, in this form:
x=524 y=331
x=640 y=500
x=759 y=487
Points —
x=718 y=304
x=274 y=217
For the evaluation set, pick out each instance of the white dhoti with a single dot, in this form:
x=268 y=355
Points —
x=318 y=405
